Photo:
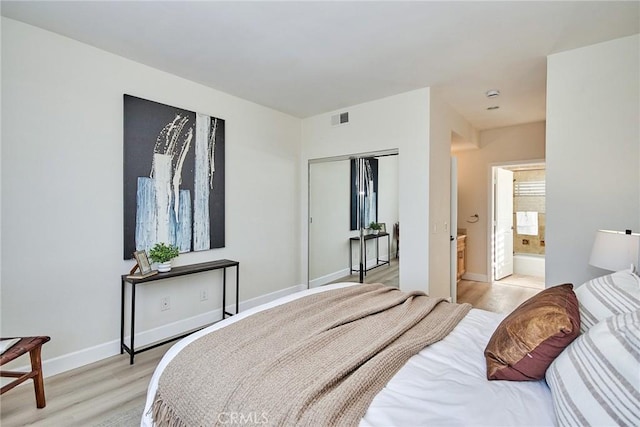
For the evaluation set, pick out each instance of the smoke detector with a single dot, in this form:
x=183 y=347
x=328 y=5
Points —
x=493 y=93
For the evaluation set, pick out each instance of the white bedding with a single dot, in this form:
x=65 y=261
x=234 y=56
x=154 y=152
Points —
x=444 y=384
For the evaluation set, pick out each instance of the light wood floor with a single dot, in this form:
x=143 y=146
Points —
x=85 y=396
x=90 y=395
x=499 y=297
x=387 y=274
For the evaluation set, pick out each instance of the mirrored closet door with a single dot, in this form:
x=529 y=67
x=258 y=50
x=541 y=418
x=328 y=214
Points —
x=342 y=247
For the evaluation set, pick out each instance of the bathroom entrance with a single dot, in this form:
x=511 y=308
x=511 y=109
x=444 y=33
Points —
x=519 y=219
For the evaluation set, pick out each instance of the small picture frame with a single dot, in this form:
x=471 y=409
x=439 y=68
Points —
x=383 y=228
x=143 y=262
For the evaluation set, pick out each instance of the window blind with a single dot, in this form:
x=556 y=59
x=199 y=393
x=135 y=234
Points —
x=530 y=188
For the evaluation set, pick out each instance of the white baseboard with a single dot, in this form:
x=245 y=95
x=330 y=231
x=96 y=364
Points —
x=475 y=277
x=328 y=278
x=99 y=352
x=175 y=328
x=331 y=277
x=79 y=358
x=263 y=299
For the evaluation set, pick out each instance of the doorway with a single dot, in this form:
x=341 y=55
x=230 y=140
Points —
x=518 y=195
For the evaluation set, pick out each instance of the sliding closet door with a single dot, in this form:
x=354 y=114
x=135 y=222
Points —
x=328 y=221
x=339 y=214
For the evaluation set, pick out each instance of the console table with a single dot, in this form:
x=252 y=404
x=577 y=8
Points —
x=368 y=237
x=175 y=272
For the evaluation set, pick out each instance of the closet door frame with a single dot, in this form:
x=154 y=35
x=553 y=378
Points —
x=359 y=157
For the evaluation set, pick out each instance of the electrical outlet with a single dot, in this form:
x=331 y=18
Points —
x=165 y=304
x=204 y=295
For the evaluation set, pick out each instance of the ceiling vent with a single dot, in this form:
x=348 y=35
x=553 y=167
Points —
x=340 y=119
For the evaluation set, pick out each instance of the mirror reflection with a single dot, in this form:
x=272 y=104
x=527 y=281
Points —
x=334 y=237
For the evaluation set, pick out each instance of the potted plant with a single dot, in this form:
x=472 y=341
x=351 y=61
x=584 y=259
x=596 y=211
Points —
x=375 y=227
x=163 y=254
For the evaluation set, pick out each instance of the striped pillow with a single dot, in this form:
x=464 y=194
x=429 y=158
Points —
x=607 y=296
x=596 y=380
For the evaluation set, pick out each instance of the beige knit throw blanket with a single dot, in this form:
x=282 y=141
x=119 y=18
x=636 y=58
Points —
x=315 y=361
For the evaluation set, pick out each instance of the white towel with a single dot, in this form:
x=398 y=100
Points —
x=527 y=223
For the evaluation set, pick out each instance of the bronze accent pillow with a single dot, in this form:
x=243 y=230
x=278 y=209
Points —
x=526 y=342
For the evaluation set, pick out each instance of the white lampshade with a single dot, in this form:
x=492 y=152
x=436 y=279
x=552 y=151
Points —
x=615 y=250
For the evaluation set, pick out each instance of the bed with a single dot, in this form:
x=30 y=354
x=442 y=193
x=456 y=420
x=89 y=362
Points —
x=443 y=384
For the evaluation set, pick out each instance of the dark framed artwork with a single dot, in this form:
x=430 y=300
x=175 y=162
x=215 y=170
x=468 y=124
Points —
x=173 y=178
x=371 y=192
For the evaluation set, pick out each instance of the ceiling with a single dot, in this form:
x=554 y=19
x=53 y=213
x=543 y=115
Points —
x=305 y=58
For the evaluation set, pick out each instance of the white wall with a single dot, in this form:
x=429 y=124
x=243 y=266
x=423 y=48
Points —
x=62 y=195
x=444 y=121
x=593 y=152
x=497 y=147
x=402 y=122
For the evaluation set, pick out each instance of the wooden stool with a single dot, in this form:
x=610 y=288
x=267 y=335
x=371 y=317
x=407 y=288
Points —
x=33 y=345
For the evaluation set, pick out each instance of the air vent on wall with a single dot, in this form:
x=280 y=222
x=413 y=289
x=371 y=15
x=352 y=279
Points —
x=340 y=119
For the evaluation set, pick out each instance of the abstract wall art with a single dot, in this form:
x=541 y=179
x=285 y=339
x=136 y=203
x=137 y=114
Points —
x=173 y=177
